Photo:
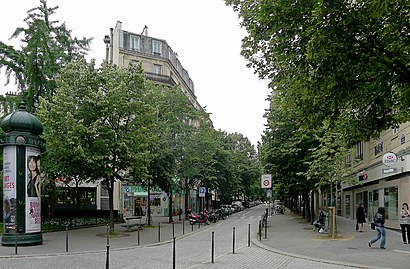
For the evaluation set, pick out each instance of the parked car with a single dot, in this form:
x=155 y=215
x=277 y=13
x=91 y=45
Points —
x=229 y=209
x=239 y=205
x=236 y=207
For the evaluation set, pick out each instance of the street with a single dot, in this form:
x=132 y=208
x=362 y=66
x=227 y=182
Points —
x=193 y=250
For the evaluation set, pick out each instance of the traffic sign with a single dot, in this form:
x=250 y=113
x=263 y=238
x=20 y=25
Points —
x=266 y=181
x=202 y=191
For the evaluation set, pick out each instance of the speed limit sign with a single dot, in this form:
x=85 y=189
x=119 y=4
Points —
x=266 y=181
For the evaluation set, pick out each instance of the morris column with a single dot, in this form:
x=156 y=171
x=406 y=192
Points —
x=21 y=178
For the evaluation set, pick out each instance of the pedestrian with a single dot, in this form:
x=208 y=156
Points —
x=405 y=223
x=379 y=220
x=319 y=223
x=361 y=217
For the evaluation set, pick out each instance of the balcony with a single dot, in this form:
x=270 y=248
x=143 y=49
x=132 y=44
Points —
x=160 y=78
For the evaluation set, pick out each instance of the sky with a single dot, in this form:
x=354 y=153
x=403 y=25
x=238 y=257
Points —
x=205 y=34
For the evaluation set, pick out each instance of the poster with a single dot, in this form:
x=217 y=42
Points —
x=9 y=188
x=33 y=190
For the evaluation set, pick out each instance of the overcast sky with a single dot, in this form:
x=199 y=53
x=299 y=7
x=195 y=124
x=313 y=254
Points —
x=205 y=34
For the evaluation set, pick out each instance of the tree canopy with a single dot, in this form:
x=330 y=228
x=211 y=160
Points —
x=99 y=124
x=345 y=61
x=47 y=46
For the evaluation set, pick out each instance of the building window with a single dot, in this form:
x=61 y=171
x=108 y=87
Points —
x=395 y=130
x=156 y=47
x=359 y=151
x=347 y=205
x=379 y=146
x=158 y=69
x=134 y=43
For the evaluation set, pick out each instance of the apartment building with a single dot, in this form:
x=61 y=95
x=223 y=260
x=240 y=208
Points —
x=162 y=66
x=383 y=170
x=159 y=61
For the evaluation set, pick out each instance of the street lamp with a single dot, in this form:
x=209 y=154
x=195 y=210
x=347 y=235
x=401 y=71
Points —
x=107 y=41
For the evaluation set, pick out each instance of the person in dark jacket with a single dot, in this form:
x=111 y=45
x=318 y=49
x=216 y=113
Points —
x=379 y=220
x=361 y=217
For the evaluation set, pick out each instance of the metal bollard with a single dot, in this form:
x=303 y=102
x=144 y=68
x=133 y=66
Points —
x=183 y=227
x=192 y=228
x=174 y=256
x=107 y=260
x=15 y=239
x=249 y=235
x=173 y=229
x=266 y=228
x=138 y=237
x=260 y=230
x=159 y=231
x=66 y=238
x=233 y=240
x=212 y=247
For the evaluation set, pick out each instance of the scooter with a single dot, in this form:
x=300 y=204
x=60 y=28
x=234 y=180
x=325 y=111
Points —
x=200 y=218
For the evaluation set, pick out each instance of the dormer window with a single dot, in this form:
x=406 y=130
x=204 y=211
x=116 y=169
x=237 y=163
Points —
x=156 y=47
x=134 y=43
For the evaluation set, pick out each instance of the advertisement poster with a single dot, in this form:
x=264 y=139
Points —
x=9 y=188
x=33 y=190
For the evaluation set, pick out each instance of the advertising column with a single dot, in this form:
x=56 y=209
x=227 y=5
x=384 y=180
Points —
x=22 y=145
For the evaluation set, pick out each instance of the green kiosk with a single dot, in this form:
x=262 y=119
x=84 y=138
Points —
x=22 y=178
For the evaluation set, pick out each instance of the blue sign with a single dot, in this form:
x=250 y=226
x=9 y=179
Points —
x=202 y=191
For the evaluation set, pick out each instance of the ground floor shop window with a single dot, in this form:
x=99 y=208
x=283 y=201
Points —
x=373 y=203
x=391 y=202
x=347 y=205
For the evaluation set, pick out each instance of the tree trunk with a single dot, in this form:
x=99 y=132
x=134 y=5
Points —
x=170 y=220
x=149 y=202
x=110 y=188
x=186 y=198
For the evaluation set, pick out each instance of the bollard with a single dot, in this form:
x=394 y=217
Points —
x=199 y=225
x=138 y=239
x=183 y=227
x=159 y=231
x=260 y=230
x=233 y=240
x=249 y=235
x=107 y=260
x=266 y=228
x=15 y=239
x=174 y=256
x=173 y=229
x=66 y=238
x=212 y=247
x=192 y=227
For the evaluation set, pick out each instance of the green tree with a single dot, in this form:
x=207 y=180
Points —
x=285 y=149
x=99 y=125
x=47 y=46
x=339 y=60
x=174 y=127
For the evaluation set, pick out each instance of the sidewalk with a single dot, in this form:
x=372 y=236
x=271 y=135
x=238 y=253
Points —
x=292 y=235
x=85 y=239
x=287 y=234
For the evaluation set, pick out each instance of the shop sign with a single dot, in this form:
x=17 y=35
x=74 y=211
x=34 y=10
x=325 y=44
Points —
x=389 y=170
x=389 y=159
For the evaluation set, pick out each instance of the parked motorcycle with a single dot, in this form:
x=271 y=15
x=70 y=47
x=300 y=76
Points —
x=200 y=218
x=220 y=214
x=212 y=217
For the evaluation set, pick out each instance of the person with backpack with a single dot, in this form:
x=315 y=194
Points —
x=379 y=220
